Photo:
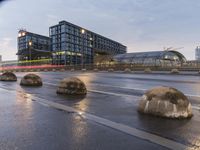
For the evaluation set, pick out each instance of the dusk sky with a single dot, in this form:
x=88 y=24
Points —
x=141 y=25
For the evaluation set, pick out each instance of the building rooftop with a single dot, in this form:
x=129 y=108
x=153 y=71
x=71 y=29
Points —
x=63 y=22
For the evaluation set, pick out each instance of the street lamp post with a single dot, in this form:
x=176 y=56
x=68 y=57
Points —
x=82 y=53
x=29 y=47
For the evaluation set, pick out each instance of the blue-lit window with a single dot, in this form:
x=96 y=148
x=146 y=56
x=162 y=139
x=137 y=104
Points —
x=63 y=37
x=63 y=28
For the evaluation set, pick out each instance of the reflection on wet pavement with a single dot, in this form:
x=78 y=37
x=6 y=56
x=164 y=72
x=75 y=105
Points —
x=120 y=109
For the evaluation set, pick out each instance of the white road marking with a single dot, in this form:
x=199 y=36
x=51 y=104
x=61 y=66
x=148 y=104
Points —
x=111 y=93
x=118 y=126
x=101 y=92
x=105 y=85
x=46 y=105
x=114 y=125
x=137 y=89
x=195 y=107
x=135 y=98
x=115 y=86
x=125 y=95
x=142 y=90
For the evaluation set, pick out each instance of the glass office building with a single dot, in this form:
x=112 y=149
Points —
x=33 y=46
x=72 y=44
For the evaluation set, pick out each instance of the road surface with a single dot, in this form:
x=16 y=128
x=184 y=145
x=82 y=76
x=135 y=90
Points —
x=107 y=118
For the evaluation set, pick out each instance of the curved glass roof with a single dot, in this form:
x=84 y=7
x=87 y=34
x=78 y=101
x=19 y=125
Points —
x=162 y=55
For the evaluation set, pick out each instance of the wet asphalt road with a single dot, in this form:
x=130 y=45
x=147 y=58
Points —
x=26 y=124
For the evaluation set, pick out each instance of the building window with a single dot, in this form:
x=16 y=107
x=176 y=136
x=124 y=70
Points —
x=63 y=28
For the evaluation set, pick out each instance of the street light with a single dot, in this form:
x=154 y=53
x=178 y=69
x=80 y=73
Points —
x=82 y=59
x=29 y=43
x=29 y=48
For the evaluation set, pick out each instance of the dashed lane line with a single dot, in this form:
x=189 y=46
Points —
x=117 y=126
x=114 y=125
x=119 y=94
x=137 y=89
x=127 y=88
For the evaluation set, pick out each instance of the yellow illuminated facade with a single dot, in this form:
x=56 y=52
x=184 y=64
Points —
x=66 y=52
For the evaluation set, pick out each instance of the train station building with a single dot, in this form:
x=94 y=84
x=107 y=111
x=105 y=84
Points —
x=67 y=44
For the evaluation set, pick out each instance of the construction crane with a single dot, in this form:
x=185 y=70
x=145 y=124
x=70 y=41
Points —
x=171 y=48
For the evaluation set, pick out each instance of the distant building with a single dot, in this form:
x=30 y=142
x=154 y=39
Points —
x=150 y=58
x=32 y=46
x=9 y=63
x=197 y=53
x=72 y=44
x=0 y=60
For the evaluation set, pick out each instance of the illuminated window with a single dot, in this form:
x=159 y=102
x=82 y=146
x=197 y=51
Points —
x=19 y=35
x=82 y=31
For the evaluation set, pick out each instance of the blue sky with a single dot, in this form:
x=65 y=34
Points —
x=141 y=25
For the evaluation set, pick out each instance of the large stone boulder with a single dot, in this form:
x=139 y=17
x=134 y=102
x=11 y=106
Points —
x=62 y=70
x=31 y=80
x=174 y=71
x=95 y=69
x=8 y=76
x=165 y=102
x=127 y=70
x=84 y=70
x=72 y=86
x=147 y=70
x=110 y=70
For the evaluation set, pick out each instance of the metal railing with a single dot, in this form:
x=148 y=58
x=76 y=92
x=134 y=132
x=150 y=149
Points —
x=46 y=64
x=115 y=67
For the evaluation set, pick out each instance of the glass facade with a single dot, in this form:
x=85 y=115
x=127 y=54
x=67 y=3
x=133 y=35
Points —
x=33 y=46
x=153 y=58
x=72 y=44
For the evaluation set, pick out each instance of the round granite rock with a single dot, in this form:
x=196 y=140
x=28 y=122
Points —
x=31 y=80
x=147 y=70
x=95 y=70
x=110 y=70
x=8 y=76
x=174 y=71
x=127 y=70
x=165 y=102
x=84 y=70
x=71 y=86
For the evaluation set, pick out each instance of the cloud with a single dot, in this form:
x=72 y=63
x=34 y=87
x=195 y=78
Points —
x=140 y=24
x=52 y=19
x=6 y=48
